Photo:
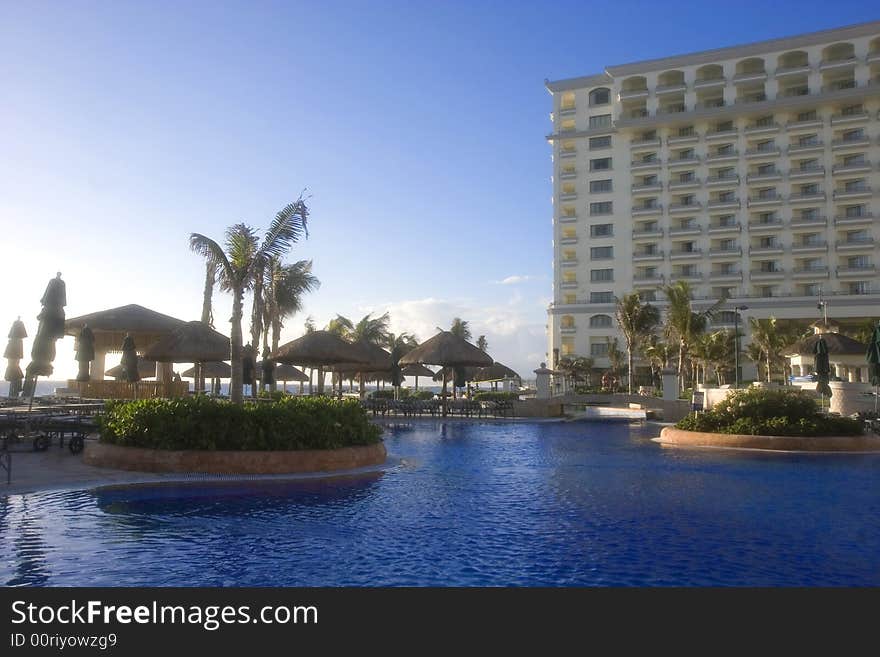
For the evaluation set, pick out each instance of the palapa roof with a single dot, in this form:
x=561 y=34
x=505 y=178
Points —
x=110 y=326
x=146 y=370
x=194 y=342
x=495 y=372
x=286 y=372
x=319 y=349
x=837 y=344
x=212 y=369
x=469 y=373
x=447 y=349
x=416 y=370
x=377 y=360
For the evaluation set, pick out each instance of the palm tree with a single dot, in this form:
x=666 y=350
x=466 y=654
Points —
x=637 y=321
x=243 y=257
x=658 y=354
x=576 y=368
x=770 y=339
x=340 y=326
x=371 y=330
x=460 y=328
x=482 y=343
x=683 y=324
x=284 y=290
x=309 y=325
x=402 y=342
x=615 y=358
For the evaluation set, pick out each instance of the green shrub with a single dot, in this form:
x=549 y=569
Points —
x=496 y=396
x=766 y=412
x=274 y=395
x=382 y=394
x=203 y=423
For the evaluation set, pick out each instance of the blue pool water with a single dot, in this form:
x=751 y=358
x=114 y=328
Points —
x=475 y=504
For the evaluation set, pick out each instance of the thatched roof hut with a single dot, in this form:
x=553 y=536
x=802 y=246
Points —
x=377 y=361
x=495 y=372
x=194 y=342
x=319 y=349
x=416 y=369
x=146 y=370
x=110 y=326
x=447 y=349
x=212 y=369
x=837 y=344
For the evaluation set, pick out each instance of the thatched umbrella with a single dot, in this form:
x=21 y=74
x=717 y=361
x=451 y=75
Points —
x=374 y=361
x=13 y=354
x=447 y=350
x=495 y=373
x=146 y=370
x=284 y=373
x=213 y=369
x=416 y=370
x=50 y=328
x=85 y=352
x=193 y=342
x=319 y=349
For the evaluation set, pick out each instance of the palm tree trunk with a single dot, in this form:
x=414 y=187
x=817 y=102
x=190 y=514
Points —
x=257 y=311
x=207 y=317
x=235 y=382
x=768 y=366
x=681 y=385
x=320 y=380
x=629 y=370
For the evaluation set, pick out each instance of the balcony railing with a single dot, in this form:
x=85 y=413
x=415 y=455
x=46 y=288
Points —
x=826 y=64
x=793 y=92
x=648 y=232
x=686 y=230
x=766 y=250
x=804 y=146
x=792 y=70
x=852 y=192
x=765 y=176
x=719 y=156
x=762 y=127
x=767 y=273
x=693 y=206
x=810 y=272
x=850 y=117
x=852 y=167
x=684 y=253
x=709 y=104
x=807 y=172
x=682 y=184
x=723 y=203
x=765 y=199
x=735 y=251
x=656 y=208
x=807 y=196
x=749 y=76
x=641 y=143
x=758 y=225
x=806 y=123
x=722 y=134
x=840 y=85
x=857 y=270
x=670 y=88
x=848 y=219
x=722 y=180
x=801 y=221
x=682 y=161
x=645 y=164
x=650 y=187
x=850 y=244
x=710 y=82
x=567 y=175
x=725 y=228
x=751 y=98
x=861 y=140
x=761 y=152
x=804 y=247
x=647 y=255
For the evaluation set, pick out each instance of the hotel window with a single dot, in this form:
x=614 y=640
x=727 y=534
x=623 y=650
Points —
x=600 y=164
x=813 y=264
x=726 y=173
x=568 y=188
x=569 y=277
x=727 y=245
x=601 y=297
x=855 y=185
x=600 y=321
x=808 y=116
x=601 y=121
x=727 y=268
x=601 y=252
x=567 y=346
x=726 y=317
x=650 y=180
x=812 y=289
x=648 y=135
x=686 y=154
x=764 y=121
x=766 y=169
x=567 y=322
x=725 y=149
x=809 y=190
x=768 y=266
x=850 y=110
x=689 y=271
x=859 y=287
x=686 y=247
x=600 y=142
x=570 y=299
x=854 y=135
x=567 y=125
x=765 y=146
x=854 y=160
x=649 y=157
x=765 y=291
x=686 y=131
x=599 y=186
x=602 y=230
x=568 y=211
x=603 y=207
x=599 y=349
x=601 y=96
x=809 y=165
x=808 y=140
x=687 y=176
x=648 y=227
x=858 y=262
x=569 y=233
x=767 y=193
x=648 y=295
x=726 y=197
x=767 y=217
x=768 y=242
x=601 y=275
x=855 y=211
x=649 y=249
x=724 y=126
x=569 y=255
x=727 y=220
x=858 y=236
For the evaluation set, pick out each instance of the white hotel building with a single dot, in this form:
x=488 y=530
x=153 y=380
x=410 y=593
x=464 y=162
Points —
x=751 y=171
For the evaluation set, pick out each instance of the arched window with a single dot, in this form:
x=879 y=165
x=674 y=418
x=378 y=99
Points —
x=600 y=321
x=635 y=83
x=751 y=65
x=567 y=322
x=600 y=96
x=838 y=52
x=670 y=78
x=794 y=59
x=710 y=72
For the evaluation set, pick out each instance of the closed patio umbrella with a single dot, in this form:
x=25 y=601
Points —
x=873 y=358
x=13 y=354
x=85 y=352
x=129 y=362
x=49 y=329
x=447 y=350
x=823 y=368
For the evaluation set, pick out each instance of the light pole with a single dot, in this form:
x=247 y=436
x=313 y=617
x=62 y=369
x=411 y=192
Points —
x=736 y=312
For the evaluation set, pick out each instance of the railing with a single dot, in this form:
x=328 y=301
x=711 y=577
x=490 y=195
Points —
x=722 y=179
x=123 y=390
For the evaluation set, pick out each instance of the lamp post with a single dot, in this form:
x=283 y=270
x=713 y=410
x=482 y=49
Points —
x=736 y=312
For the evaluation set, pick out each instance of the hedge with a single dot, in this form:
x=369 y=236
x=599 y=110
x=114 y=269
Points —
x=764 y=412
x=496 y=396
x=203 y=423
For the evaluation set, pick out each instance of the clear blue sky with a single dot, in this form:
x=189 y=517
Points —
x=417 y=128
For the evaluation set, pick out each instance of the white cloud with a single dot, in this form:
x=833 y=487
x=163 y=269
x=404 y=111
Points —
x=513 y=280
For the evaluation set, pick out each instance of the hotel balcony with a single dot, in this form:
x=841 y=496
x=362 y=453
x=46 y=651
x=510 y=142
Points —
x=684 y=208
x=858 y=167
x=706 y=83
x=568 y=240
x=647 y=210
x=757 y=153
x=647 y=144
x=851 y=142
x=647 y=234
x=644 y=256
x=683 y=161
x=725 y=253
x=722 y=134
x=679 y=87
x=684 y=184
x=570 y=196
x=676 y=108
x=748 y=99
x=567 y=110
x=567 y=152
x=718 y=229
x=567 y=175
x=764 y=128
x=810 y=272
x=722 y=157
x=693 y=276
x=641 y=165
x=749 y=76
x=766 y=250
x=628 y=94
x=568 y=262
x=722 y=181
x=682 y=231
x=648 y=280
x=807 y=197
x=791 y=70
x=855 y=244
x=854 y=220
x=765 y=200
x=839 y=85
x=764 y=177
x=762 y=275
x=831 y=64
x=806 y=172
x=809 y=247
x=809 y=124
x=686 y=255
x=852 y=193
x=806 y=147
x=568 y=285
x=765 y=226
x=567 y=329
x=725 y=277
x=567 y=219
x=653 y=187
x=873 y=56
x=682 y=139
x=723 y=204
x=808 y=222
x=851 y=272
x=852 y=117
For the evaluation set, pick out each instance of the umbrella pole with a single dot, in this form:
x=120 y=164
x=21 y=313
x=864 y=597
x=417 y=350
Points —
x=444 y=393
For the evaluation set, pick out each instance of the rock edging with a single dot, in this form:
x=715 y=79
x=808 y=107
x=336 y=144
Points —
x=140 y=459
x=672 y=437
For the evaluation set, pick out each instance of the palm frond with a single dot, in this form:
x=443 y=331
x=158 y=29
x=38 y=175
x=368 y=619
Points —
x=212 y=252
x=288 y=226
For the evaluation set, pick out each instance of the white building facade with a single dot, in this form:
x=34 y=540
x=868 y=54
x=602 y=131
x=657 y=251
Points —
x=752 y=172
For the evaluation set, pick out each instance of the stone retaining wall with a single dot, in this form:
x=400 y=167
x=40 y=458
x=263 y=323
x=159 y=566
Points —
x=228 y=462
x=672 y=437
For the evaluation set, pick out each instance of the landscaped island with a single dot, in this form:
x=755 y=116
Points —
x=769 y=419
x=201 y=434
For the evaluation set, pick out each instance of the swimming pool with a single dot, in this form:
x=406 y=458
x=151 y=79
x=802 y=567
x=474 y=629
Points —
x=474 y=504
